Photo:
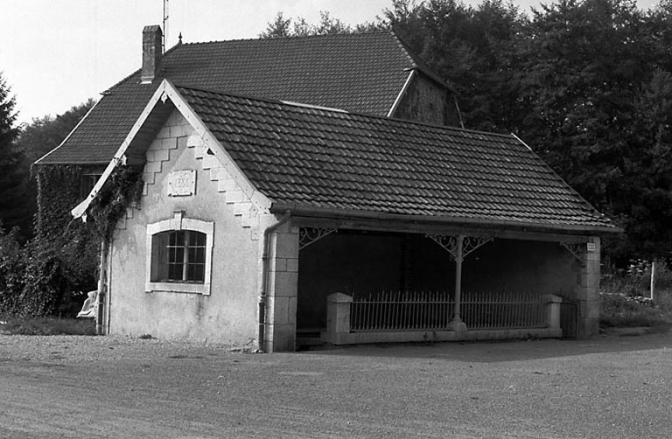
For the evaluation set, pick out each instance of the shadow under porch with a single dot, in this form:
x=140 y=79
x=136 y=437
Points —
x=361 y=263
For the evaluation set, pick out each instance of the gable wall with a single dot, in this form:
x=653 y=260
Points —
x=229 y=313
x=425 y=101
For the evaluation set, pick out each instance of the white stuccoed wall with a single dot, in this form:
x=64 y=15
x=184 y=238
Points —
x=229 y=314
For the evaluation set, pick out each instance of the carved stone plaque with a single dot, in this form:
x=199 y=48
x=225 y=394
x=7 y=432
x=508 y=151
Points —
x=182 y=183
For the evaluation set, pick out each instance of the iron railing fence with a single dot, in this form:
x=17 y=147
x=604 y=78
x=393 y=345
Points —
x=493 y=310
x=408 y=310
x=415 y=311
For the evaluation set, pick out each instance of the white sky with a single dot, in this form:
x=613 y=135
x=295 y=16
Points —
x=55 y=54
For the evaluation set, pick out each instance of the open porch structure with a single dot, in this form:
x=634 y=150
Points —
x=371 y=280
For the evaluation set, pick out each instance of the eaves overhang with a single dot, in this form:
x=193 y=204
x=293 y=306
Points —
x=73 y=163
x=133 y=146
x=39 y=161
x=423 y=221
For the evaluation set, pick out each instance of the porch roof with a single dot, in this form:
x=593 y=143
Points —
x=326 y=161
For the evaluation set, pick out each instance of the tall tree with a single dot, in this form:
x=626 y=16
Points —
x=584 y=63
x=642 y=196
x=327 y=25
x=35 y=140
x=45 y=133
x=282 y=27
x=473 y=49
x=13 y=166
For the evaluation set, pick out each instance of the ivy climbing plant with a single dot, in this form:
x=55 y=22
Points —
x=61 y=263
x=122 y=190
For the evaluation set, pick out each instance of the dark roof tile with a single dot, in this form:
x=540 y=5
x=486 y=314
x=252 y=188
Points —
x=374 y=164
x=356 y=72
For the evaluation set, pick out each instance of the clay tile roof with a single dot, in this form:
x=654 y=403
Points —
x=312 y=158
x=357 y=72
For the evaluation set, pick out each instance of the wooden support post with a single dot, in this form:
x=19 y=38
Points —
x=457 y=324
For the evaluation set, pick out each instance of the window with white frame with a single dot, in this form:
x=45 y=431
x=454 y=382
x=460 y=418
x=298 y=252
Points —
x=179 y=256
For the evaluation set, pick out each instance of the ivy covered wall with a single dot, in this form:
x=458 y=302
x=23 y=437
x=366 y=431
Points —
x=61 y=262
x=51 y=273
x=63 y=257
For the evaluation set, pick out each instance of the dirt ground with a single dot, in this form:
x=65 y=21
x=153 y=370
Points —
x=110 y=387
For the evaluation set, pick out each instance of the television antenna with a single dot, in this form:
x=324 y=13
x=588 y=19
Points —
x=165 y=26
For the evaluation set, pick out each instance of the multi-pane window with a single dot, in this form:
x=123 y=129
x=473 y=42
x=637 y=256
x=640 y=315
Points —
x=181 y=256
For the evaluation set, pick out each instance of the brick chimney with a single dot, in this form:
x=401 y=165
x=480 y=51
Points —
x=151 y=53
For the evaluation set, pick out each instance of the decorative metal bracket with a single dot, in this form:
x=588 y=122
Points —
x=310 y=235
x=469 y=244
x=473 y=243
x=576 y=249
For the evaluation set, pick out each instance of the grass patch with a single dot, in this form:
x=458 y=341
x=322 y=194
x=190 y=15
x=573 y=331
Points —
x=619 y=311
x=46 y=326
x=625 y=300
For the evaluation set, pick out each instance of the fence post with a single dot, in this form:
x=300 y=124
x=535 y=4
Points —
x=338 y=318
x=552 y=310
x=653 y=278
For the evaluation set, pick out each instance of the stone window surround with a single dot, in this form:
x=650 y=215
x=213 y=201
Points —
x=179 y=222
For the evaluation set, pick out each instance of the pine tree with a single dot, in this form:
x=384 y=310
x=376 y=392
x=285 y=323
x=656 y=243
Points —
x=13 y=167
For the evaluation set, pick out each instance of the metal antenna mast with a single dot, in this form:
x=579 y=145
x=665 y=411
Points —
x=165 y=26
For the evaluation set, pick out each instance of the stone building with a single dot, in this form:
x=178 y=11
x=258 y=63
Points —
x=283 y=178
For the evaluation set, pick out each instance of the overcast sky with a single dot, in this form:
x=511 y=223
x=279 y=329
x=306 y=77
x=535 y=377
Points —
x=55 y=54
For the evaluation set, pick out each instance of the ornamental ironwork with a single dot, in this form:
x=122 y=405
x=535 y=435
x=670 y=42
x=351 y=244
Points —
x=469 y=244
x=310 y=235
x=576 y=249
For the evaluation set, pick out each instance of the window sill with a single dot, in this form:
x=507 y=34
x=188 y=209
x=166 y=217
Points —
x=177 y=287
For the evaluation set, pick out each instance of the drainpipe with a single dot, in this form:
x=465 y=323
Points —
x=102 y=275
x=264 y=276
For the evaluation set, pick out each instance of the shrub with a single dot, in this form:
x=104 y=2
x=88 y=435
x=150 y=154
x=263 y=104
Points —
x=12 y=267
x=35 y=280
x=625 y=297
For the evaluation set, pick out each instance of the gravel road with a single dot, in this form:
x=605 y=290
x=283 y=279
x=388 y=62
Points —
x=112 y=387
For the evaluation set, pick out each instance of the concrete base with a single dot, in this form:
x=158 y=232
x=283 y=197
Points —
x=423 y=336
x=457 y=325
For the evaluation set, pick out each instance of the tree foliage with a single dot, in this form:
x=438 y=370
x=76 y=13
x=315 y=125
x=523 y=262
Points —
x=12 y=271
x=594 y=91
x=34 y=141
x=14 y=211
x=282 y=27
x=44 y=275
x=473 y=49
x=45 y=133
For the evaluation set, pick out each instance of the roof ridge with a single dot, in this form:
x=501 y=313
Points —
x=406 y=49
x=418 y=63
x=291 y=37
x=135 y=72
